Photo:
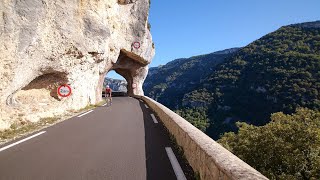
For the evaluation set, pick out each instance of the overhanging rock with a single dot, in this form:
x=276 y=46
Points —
x=81 y=40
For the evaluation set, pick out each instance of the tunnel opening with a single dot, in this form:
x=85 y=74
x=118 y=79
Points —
x=116 y=82
x=132 y=68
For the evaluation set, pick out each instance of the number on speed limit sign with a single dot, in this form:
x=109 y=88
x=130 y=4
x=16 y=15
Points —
x=64 y=90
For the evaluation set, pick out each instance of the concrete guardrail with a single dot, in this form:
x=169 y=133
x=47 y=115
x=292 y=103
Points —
x=207 y=157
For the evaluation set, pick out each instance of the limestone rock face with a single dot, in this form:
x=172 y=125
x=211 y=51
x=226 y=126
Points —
x=116 y=84
x=46 y=43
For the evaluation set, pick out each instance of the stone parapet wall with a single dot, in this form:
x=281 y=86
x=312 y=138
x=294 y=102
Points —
x=207 y=157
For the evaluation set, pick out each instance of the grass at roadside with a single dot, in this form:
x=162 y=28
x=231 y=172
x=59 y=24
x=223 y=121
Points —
x=91 y=106
x=18 y=129
x=23 y=128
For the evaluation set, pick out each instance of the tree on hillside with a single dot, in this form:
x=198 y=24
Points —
x=286 y=148
x=196 y=116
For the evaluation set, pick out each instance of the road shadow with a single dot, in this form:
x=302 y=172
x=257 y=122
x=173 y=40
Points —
x=156 y=139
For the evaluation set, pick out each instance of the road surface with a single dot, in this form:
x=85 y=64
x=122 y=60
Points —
x=122 y=142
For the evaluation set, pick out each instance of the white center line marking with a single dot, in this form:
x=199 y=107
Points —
x=85 y=113
x=21 y=141
x=175 y=164
x=146 y=106
x=154 y=119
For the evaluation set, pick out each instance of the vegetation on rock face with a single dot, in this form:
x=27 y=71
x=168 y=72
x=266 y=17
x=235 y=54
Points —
x=286 y=148
x=149 y=28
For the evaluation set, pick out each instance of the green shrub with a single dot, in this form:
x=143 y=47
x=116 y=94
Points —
x=286 y=148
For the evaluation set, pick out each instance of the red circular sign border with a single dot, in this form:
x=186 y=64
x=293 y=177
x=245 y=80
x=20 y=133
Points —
x=135 y=46
x=65 y=85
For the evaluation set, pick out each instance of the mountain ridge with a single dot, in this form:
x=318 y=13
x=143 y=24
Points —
x=314 y=24
x=182 y=73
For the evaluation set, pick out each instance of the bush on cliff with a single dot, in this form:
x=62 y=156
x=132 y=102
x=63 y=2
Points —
x=196 y=116
x=286 y=148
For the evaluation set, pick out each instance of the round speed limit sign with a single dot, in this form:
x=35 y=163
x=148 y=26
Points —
x=64 y=90
x=136 y=45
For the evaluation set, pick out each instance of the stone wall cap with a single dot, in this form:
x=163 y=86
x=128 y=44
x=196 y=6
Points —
x=227 y=162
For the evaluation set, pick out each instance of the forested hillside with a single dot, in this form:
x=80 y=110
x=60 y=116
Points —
x=279 y=72
x=173 y=80
x=170 y=83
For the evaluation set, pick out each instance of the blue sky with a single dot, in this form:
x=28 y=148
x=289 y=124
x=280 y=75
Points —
x=188 y=28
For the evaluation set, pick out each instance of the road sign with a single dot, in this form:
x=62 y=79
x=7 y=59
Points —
x=134 y=85
x=64 y=90
x=136 y=45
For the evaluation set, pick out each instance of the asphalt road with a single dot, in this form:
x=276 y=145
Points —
x=118 y=142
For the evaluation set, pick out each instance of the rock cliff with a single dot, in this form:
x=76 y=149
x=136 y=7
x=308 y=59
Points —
x=116 y=84
x=46 y=43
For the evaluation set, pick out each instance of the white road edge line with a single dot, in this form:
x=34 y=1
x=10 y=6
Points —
x=85 y=113
x=146 y=106
x=21 y=141
x=175 y=164
x=154 y=119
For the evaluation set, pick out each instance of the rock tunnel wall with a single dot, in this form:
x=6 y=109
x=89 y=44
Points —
x=77 y=40
x=207 y=157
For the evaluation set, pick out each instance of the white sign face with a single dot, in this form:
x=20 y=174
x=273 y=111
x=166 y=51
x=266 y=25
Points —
x=64 y=91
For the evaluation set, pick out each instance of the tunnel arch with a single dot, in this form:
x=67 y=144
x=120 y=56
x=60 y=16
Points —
x=130 y=66
x=134 y=69
x=118 y=84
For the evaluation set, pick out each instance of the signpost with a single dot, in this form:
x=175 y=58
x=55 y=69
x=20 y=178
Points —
x=64 y=90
